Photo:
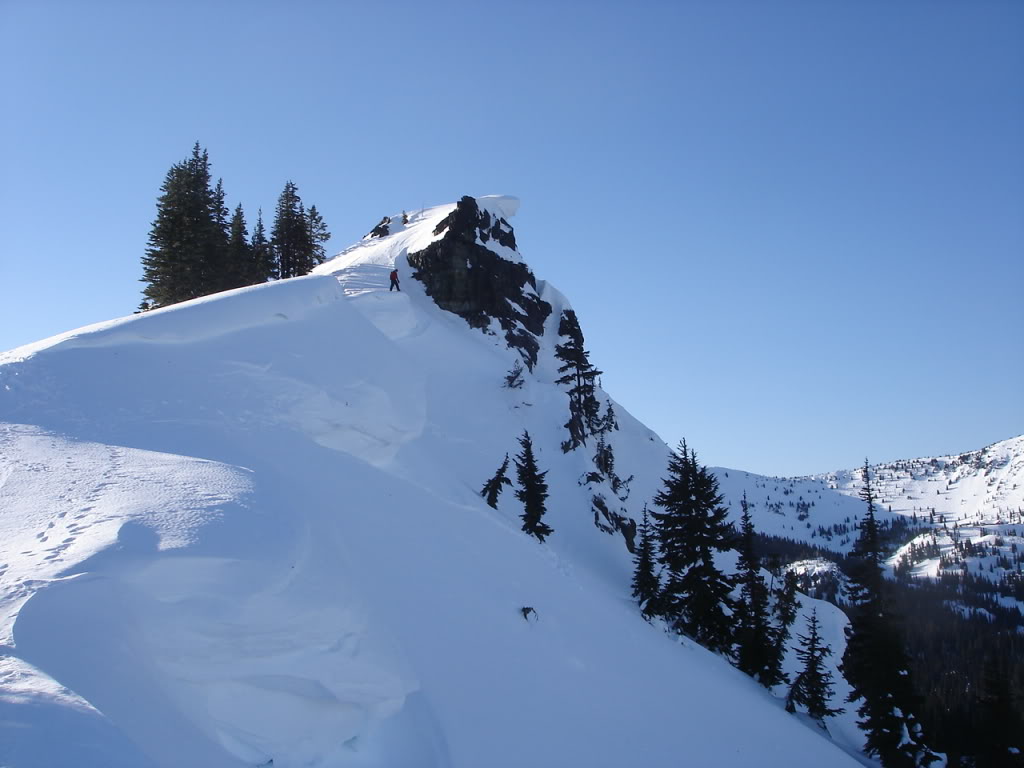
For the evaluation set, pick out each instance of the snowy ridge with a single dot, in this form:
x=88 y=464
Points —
x=802 y=508
x=248 y=528
x=978 y=486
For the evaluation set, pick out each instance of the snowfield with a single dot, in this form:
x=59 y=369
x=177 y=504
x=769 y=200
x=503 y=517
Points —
x=247 y=528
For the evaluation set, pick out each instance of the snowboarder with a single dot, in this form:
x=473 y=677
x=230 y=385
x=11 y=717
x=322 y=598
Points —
x=394 y=281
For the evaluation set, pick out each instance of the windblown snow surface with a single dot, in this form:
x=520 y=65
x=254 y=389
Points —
x=247 y=529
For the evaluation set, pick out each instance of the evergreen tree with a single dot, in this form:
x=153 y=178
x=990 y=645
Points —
x=785 y=604
x=239 y=253
x=875 y=662
x=188 y=239
x=604 y=458
x=493 y=487
x=579 y=374
x=785 y=615
x=812 y=687
x=755 y=638
x=219 y=274
x=532 y=491
x=262 y=266
x=646 y=584
x=691 y=529
x=290 y=236
x=318 y=235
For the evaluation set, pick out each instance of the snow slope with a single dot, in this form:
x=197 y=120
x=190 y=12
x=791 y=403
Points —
x=247 y=528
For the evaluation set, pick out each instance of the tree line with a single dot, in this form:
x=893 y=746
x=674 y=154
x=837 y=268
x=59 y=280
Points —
x=197 y=246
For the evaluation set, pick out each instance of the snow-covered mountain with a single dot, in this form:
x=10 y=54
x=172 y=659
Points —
x=978 y=487
x=968 y=511
x=246 y=530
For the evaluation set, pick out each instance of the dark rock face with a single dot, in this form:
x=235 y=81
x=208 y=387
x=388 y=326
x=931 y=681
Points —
x=610 y=521
x=383 y=229
x=472 y=281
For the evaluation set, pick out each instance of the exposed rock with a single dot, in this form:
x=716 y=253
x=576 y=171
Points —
x=610 y=522
x=383 y=229
x=467 y=278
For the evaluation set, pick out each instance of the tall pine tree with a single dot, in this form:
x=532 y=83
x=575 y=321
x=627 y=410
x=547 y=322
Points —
x=646 y=584
x=691 y=529
x=875 y=662
x=188 y=240
x=239 y=253
x=755 y=637
x=532 y=491
x=290 y=237
x=812 y=687
x=318 y=235
x=579 y=375
x=263 y=266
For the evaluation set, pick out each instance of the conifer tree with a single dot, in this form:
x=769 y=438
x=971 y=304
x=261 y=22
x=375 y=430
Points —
x=875 y=662
x=262 y=264
x=318 y=235
x=755 y=638
x=646 y=584
x=220 y=273
x=691 y=529
x=532 y=491
x=579 y=374
x=493 y=487
x=604 y=458
x=785 y=614
x=188 y=239
x=239 y=253
x=290 y=236
x=812 y=687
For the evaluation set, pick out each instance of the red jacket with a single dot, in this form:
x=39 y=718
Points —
x=394 y=275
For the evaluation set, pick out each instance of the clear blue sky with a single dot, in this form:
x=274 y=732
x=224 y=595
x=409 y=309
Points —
x=793 y=231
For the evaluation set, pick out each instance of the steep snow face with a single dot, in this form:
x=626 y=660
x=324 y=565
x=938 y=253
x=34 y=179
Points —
x=247 y=528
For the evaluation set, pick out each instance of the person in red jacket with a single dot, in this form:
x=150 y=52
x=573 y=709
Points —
x=394 y=281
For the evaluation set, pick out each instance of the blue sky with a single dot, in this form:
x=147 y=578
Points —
x=793 y=231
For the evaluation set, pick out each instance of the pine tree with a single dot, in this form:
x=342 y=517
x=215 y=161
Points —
x=813 y=685
x=493 y=487
x=646 y=584
x=239 y=253
x=188 y=239
x=691 y=529
x=532 y=491
x=785 y=614
x=263 y=266
x=609 y=423
x=875 y=662
x=318 y=235
x=290 y=236
x=579 y=374
x=755 y=638
x=219 y=274
x=604 y=458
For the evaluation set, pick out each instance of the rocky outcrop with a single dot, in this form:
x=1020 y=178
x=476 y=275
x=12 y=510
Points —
x=463 y=275
x=383 y=229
